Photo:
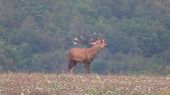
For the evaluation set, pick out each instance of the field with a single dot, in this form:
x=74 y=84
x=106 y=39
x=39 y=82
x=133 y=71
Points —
x=70 y=84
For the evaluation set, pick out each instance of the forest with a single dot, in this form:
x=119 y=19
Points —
x=35 y=35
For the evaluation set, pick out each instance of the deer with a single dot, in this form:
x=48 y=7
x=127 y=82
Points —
x=84 y=55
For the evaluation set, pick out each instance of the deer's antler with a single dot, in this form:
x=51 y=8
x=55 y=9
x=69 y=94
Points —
x=96 y=39
x=79 y=40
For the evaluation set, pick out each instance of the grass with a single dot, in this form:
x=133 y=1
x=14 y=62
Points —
x=70 y=84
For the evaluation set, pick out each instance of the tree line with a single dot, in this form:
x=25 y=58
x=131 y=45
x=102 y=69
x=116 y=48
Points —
x=35 y=35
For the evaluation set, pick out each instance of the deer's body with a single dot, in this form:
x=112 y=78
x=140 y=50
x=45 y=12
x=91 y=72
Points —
x=84 y=55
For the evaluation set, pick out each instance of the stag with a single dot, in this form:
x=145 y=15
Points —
x=85 y=55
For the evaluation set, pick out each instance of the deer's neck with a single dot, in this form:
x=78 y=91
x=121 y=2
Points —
x=93 y=51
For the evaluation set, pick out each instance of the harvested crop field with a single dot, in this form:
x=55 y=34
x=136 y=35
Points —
x=70 y=84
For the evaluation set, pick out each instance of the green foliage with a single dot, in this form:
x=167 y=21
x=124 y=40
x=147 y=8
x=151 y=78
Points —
x=35 y=35
x=54 y=87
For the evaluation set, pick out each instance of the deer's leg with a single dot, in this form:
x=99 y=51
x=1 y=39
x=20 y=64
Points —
x=87 y=66
x=71 y=65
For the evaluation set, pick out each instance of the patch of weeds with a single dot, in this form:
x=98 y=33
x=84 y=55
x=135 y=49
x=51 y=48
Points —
x=110 y=91
x=113 y=90
x=54 y=87
x=136 y=93
x=133 y=93
x=163 y=93
x=94 y=92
